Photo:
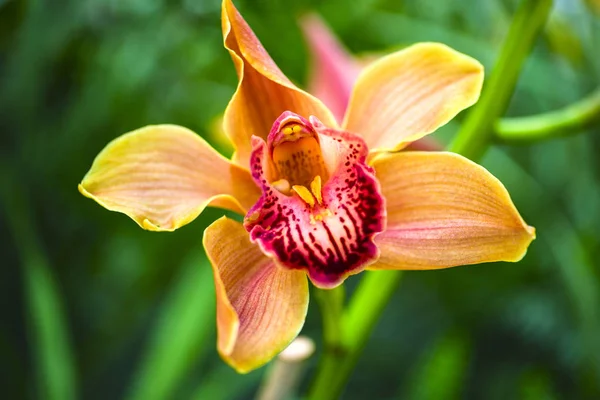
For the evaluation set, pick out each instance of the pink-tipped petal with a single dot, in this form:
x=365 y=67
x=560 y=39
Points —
x=163 y=176
x=408 y=94
x=260 y=307
x=334 y=70
x=329 y=237
x=445 y=211
x=263 y=92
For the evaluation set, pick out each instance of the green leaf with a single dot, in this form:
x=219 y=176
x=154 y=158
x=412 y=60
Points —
x=48 y=331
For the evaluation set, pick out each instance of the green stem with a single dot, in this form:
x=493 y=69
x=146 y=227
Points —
x=366 y=306
x=477 y=130
x=357 y=323
x=568 y=120
x=376 y=288
x=331 y=303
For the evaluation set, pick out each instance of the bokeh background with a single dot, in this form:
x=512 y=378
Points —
x=93 y=307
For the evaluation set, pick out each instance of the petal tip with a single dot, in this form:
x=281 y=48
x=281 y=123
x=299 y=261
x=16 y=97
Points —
x=84 y=192
x=530 y=236
x=149 y=226
x=531 y=231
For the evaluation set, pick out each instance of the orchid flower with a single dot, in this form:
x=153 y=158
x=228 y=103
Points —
x=323 y=198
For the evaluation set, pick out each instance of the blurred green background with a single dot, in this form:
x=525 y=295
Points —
x=93 y=307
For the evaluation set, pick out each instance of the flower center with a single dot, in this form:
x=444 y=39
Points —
x=298 y=160
x=321 y=205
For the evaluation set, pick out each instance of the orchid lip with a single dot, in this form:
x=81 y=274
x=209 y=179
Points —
x=321 y=205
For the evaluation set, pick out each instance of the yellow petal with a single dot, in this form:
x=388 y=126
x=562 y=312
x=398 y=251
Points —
x=443 y=211
x=261 y=307
x=263 y=92
x=409 y=94
x=164 y=176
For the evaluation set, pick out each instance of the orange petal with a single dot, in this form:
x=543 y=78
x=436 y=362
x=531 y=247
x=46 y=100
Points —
x=409 y=94
x=260 y=307
x=444 y=211
x=164 y=176
x=263 y=93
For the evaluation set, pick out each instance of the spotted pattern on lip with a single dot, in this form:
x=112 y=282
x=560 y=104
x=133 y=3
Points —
x=331 y=238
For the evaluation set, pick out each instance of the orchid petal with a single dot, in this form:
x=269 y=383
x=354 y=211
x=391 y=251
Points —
x=444 y=211
x=334 y=70
x=163 y=176
x=408 y=94
x=261 y=307
x=263 y=93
